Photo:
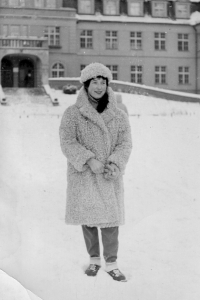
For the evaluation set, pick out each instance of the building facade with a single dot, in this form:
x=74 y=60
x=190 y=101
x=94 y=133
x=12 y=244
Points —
x=147 y=42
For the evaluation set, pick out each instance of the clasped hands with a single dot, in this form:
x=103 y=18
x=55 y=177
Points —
x=110 y=170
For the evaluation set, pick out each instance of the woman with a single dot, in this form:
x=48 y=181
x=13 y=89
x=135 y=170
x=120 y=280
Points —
x=96 y=139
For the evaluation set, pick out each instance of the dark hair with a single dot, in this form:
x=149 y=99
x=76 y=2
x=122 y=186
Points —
x=103 y=102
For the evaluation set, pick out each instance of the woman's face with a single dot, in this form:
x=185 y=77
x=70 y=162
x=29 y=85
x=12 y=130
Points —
x=97 y=87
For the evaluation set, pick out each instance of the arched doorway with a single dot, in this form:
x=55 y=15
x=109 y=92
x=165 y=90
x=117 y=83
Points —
x=26 y=73
x=23 y=70
x=6 y=73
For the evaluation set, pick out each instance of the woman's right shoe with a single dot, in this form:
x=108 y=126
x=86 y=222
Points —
x=117 y=275
x=92 y=270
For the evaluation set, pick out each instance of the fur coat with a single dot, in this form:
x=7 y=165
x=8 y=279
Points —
x=93 y=200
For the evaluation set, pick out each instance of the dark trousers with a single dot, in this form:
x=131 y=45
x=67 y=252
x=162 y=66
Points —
x=109 y=241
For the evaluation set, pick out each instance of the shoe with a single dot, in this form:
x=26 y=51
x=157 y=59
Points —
x=92 y=270
x=117 y=275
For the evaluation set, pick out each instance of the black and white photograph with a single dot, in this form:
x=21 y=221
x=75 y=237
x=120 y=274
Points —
x=99 y=149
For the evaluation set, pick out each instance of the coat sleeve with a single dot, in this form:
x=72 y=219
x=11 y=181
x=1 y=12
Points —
x=123 y=147
x=76 y=153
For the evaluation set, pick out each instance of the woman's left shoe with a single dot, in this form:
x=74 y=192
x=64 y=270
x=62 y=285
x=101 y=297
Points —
x=92 y=270
x=117 y=275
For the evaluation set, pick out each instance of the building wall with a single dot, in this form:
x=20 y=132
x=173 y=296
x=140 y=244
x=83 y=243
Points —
x=148 y=57
x=72 y=56
x=36 y=21
x=197 y=61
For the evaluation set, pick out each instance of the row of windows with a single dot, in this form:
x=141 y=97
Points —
x=111 y=40
x=26 y=3
x=111 y=7
x=137 y=8
x=51 y=32
x=136 y=73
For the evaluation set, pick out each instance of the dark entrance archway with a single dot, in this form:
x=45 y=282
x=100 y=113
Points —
x=20 y=71
x=26 y=73
x=6 y=73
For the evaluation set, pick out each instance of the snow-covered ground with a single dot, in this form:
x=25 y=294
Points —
x=160 y=243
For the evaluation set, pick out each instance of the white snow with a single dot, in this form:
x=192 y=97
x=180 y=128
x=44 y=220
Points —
x=11 y=289
x=195 y=18
x=130 y=19
x=160 y=243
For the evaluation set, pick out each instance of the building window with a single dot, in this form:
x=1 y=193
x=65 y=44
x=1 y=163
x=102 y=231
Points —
x=15 y=30
x=58 y=70
x=53 y=35
x=39 y=3
x=114 y=71
x=50 y=3
x=24 y=30
x=136 y=74
x=183 y=75
x=160 y=74
x=135 y=8
x=22 y=3
x=183 y=42
x=182 y=10
x=159 y=40
x=111 y=7
x=159 y=9
x=5 y=30
x=82 y=67
x=111 y=40
x=13 y=3
x=136 y=40
x=86 y=6
x=86 y=39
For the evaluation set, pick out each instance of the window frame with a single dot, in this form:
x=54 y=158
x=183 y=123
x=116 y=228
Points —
x=50 y=5
x=13 y=3
x=5 y=30
x=183 y=75
x=114 y=70
x=161 y=75
x=116 y=7
x=52 y=36
x=153 y=8
x=57 y=70
x=82 y=66
x=24 y=30
x=86 y=41
x=111 y=40
x=183 y=42
x=135 y=40
x=82 y=11
x=14 y=32
x=137 y=73
x=178 y=14
x=160 y=41
x=141 y=8
x=39 y=4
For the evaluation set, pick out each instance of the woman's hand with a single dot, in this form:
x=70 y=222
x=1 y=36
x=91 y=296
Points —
x=96 y=166
x=111 y=171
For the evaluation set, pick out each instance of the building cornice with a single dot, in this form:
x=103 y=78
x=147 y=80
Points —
x=128 y=19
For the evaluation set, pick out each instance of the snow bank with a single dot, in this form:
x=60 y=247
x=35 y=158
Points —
x=11 y=289
x=157 y=250
x=195 y=18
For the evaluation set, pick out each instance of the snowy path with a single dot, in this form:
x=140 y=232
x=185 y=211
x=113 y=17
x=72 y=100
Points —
x=160 y=243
